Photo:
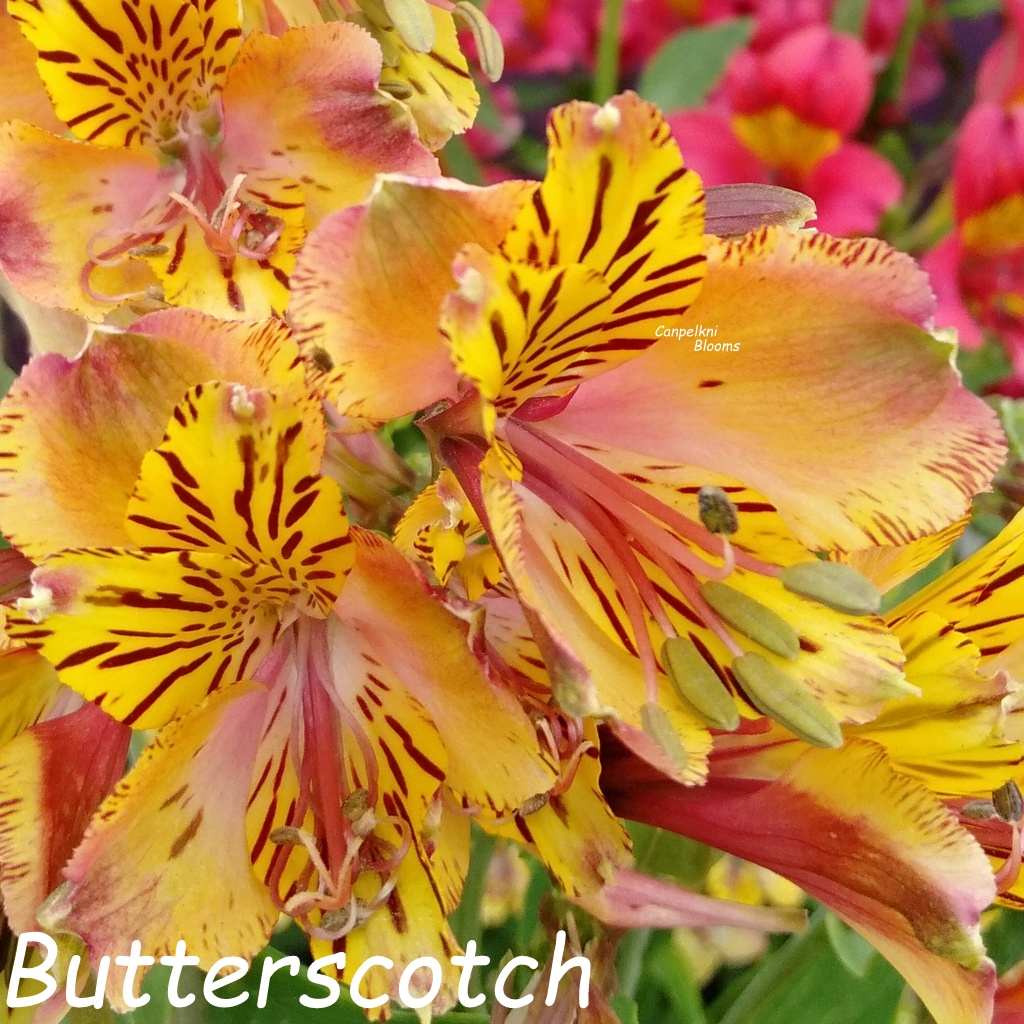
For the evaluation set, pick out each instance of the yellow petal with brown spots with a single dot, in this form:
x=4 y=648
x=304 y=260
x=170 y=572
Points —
x=123 y=74
x=143 y=868
x=147 y=636
x=435 y=84
x=234 y=476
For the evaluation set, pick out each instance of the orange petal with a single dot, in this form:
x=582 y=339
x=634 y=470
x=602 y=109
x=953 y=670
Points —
x=306 y=106
x=23 y=96
x=829 y=334
x=55 y=195
x=368 y=288
x=40 y=825
x=494 y=759
x=871 y=844
x=73 y=433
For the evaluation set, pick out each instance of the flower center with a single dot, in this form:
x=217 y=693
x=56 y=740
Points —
x=334 y=821
x=231 y=225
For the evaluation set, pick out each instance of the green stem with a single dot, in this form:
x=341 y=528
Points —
x=632 y=955
x=606 y=78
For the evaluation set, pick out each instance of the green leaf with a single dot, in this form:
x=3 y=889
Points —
x=666 y=854
x=890 y=82
x=983 y=366
x=805 y=982
x=1011 y=417
x=626 y=1010
x=460 y=162
x=853 y=952
x=687 y=67
x=964 y=9
x=1004 y=939
x=849 y=15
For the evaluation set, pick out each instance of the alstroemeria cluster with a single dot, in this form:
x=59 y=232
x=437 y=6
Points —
x=623 y=574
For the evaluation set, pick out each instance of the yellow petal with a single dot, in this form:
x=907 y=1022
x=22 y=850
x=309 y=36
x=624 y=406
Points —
x=123 y=74
x=234 y=476
x=147 y=636
x=143 y=869
x=102 y=412
x=435 y=83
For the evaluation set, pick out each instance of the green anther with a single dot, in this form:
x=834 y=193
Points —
x=752 y=619
x=414 y=23
x=717 y=512
x=833 y=584
x=1008 y=802
x=657 y=725
x=697 y=684
x=781 y=697
x=488 y=43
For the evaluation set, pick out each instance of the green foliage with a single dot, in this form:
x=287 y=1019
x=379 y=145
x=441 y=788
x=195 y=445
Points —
x=849 y=15
x=686 y=68
x=983 y=366
x=805 y=981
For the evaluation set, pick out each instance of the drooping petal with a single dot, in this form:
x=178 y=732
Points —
x=635 y=900
x=41 y=821
x=234 y=476
x=147 y=636
x=496 y=766
x=56 y=194
x=102 y=412
x=361 y=296
x=574 y=833
x=142 y=869
x=871 y=844
x=833 y=327
x=306 y=106
x=123 y=75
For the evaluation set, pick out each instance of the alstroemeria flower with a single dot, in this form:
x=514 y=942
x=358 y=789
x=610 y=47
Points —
x=583 y=438
x=786 y=115
x=870 y=843
x=978 y=270
x=318 y=709
x=199 y=163
x=959 y=744
x=424 y=66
